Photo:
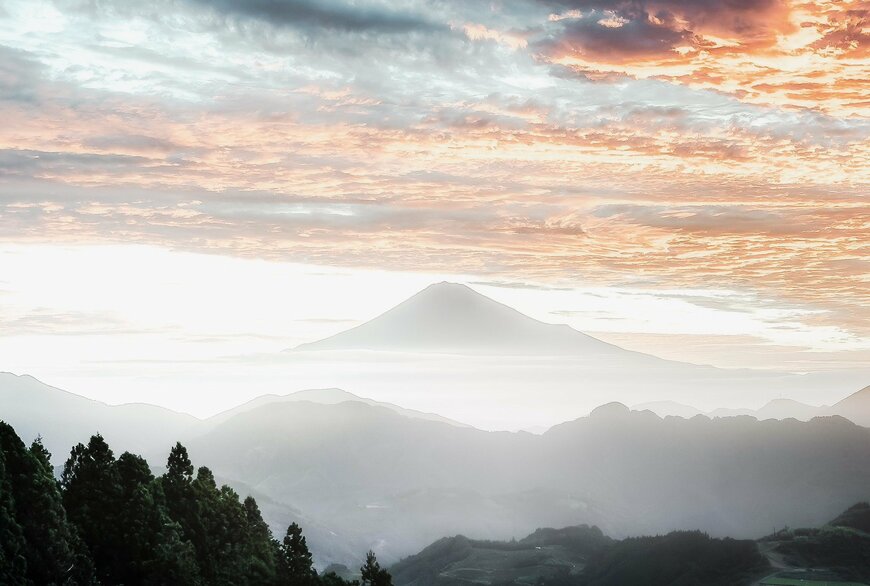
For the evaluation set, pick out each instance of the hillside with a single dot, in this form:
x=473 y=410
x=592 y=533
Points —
x=64 y=419
x=407 y=482
x=365 y=474
x=855 y=407
x=838 y=550
x=544 y=555
x=323 y=397
x=583 y=556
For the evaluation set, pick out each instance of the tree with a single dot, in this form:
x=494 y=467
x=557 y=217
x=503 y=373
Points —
x=150 y=549
x=55 y=552
x=373 y=574
x=118 y=508
x=91 y=497
x=263 y=549
x=296 y=562
x=13 y=564
x=51 y=549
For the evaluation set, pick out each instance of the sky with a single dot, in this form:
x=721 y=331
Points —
x=183 y=180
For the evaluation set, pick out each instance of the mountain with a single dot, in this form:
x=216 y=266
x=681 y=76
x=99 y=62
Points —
x=362 y=474
x=325 y=397
x=836 y=553
x=855 y=407
x=405 y=482
x=453 y=318
x=789 y=408
x=64 y=419
x=668 y=409
x=401 y=481
x=448 y=341
x=583 y=556
x=544 y=555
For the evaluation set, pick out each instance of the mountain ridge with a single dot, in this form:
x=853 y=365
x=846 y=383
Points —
x=855 y=407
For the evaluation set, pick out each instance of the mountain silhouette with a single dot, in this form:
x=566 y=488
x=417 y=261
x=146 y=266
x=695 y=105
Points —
x=450 y=317
x=404 y=482
x=855 y=408
x=63 y=419
x=331 y=396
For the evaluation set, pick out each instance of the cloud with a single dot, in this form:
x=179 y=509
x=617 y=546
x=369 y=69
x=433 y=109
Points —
x=614 y=31
x=20 y=75
x=354 y=17
x=780 y=52
x=614 y=159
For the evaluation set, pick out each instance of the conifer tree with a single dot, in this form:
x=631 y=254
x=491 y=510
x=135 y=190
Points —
x=373 y=574
x=296 y=565
x=55 y=552
x=51 y=549
x=13 y=564
x=150 y=549
x=263 y=549
x=91 y=496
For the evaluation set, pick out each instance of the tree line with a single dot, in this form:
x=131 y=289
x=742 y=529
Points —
x=111 y=521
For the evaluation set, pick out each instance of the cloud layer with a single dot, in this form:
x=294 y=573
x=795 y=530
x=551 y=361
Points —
x=675 y=144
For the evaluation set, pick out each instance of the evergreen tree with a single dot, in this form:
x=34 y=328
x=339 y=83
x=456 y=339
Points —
x=51 y=548
x=220 y=531
x=373 y=574
x=151 y=550
x=55 y=552
x=177 y=485
x=231 y=541
x=296 y=564
x=118 y=508
x=263 y=549
x=13 y=564
x=91 y=497
x=110 y=521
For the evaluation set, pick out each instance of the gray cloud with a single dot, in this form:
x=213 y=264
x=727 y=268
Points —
x=327 y=14
x=19 y=76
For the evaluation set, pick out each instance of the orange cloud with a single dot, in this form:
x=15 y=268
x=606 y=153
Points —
x=774 y=52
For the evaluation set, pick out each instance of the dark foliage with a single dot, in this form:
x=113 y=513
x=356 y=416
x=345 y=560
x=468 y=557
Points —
x=110 y=521
x=38 y=544
x=857 y=517
x=373 y=574
x=676 y=559
x=844 y=552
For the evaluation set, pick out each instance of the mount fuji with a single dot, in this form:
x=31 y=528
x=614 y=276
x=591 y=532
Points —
x=452 y=318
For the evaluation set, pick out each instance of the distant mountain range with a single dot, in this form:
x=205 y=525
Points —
x=855 y=407
x=360 y=473
x=405 y=482
x=63 y=419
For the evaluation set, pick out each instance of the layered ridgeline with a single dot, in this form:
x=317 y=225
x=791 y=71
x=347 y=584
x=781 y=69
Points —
x=64 y=419
x=855 y=407
x=407 y=482
x=359 y=474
